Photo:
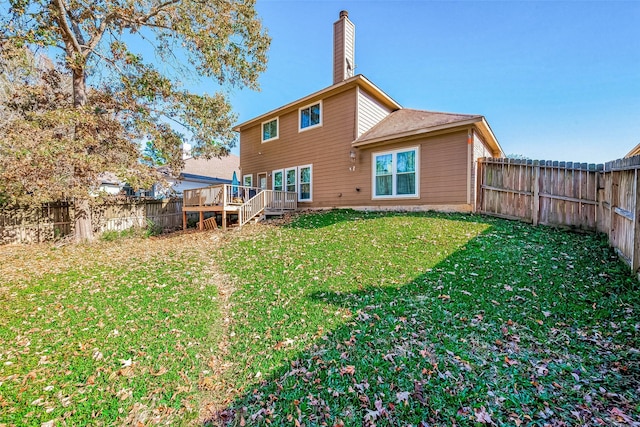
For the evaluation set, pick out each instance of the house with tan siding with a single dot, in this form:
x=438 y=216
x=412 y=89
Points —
x=352 y=145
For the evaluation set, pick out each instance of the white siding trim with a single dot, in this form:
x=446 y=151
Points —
x=369 y=112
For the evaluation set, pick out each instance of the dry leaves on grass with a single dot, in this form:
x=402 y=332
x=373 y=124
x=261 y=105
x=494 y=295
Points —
x=145 y=352
x=28 y=262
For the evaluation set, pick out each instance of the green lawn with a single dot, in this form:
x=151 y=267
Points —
x=336 y=318
x=108 y=334
x=349 y=318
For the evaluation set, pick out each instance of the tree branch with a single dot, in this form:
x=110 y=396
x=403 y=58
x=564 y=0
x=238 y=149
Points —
x=144 y=20
x=158 y=9
x=68 y=34
x=113 y=63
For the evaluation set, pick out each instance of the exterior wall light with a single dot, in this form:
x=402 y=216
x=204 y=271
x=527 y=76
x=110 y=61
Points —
x=352 y=156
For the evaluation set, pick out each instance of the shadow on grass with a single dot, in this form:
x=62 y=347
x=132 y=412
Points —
x=519 y=325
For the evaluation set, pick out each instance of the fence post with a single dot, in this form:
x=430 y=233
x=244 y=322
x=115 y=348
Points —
x=535 y=210
x=615 y=186
x=635 y=257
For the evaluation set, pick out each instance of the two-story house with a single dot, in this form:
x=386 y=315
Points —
x=352 y=145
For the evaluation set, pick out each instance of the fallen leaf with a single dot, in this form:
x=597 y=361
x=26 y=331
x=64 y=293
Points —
x=622 y=417
x=402 y=396
x=349 y=369
x=160 y=371
x=482 y=416
x=510 y=362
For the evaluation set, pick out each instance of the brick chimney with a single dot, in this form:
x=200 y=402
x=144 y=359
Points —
x=344 y=40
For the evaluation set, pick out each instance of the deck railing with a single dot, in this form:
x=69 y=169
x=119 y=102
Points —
x=249 y=202
x=207 y=196
x=281 y=200
x=251 y=208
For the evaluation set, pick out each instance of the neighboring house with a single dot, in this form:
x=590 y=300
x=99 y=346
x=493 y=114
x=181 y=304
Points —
x=634 y=152
x=110 y=184
x=197 y=173
x=200 y=172
x=352 y=145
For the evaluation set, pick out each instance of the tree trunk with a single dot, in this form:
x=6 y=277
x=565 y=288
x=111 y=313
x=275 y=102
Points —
x=79 y=88
x=82 y=208
x=82 y=220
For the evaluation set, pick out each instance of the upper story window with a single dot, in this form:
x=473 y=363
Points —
x=311 y=116
x=396 y=173
x=270 y=130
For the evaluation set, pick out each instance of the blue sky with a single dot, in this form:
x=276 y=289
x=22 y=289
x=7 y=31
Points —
x=556 y=80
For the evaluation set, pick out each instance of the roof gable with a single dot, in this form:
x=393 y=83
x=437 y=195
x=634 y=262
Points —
x=406 y=123
x=350 y=83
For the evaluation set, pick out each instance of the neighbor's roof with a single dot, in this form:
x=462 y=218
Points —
x=358 y=80
x=205 y=179
x=214 y=168
x=634 y=152
x=406 y=122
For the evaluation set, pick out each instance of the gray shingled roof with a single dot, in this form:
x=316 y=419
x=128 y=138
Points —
x=405 y=120
x=215 y=168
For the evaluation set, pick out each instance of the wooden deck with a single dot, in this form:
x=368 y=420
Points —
x=247 y=202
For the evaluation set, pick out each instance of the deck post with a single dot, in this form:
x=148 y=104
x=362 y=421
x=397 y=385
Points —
x=201 y=223
x=224 y=220
x=184 y=220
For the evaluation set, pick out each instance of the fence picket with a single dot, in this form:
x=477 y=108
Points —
x=53 y=220
x=604 y=197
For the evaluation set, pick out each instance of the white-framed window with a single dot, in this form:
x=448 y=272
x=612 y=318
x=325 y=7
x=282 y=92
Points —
x=270 y=129
x=290 y=180
x=298 y=179
x=304 y=183
x=396 y=174
x=247 y=180
x=277 y=180
x=310 y=116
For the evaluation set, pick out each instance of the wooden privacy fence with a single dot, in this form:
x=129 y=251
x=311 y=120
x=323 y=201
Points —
x=35 y=224
x=55 y=220
x=600 y=198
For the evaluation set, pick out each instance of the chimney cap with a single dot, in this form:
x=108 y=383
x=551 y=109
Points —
x=344 y=14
